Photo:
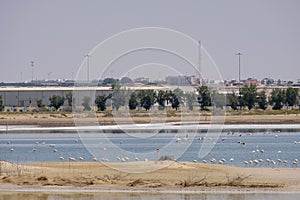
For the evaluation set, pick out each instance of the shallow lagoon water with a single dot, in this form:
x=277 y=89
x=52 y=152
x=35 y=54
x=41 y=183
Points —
x=275 y=142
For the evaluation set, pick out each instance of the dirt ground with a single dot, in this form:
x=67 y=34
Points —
x=168 y=175
x=63 y=119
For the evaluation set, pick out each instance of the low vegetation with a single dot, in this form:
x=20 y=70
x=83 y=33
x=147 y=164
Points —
x=247 y=100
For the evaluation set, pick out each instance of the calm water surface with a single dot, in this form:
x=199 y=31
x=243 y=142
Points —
x=150 y=196
x=234 y=147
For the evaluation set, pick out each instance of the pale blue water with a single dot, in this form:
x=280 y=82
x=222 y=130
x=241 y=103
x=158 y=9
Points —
x=259 y=145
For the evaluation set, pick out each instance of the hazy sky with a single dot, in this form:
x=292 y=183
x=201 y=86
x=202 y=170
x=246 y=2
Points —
x=56 y=34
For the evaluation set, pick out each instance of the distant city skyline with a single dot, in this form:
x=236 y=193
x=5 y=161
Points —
x=56 y=35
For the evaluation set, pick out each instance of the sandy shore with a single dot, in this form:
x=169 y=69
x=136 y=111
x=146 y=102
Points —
x=63 y=119
x=174 y=176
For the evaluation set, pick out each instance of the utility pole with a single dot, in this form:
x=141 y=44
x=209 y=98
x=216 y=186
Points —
x=32 y=65
x=88 y=67
x=199 y=61
x=239 y=55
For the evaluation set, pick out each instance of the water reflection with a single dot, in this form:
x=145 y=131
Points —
x=150 y=196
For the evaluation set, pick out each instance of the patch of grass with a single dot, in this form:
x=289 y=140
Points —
x=236 y=180
x=135 y=182
x=42 y=178
x=193 y=181
x=164 y=158
x=114 y=177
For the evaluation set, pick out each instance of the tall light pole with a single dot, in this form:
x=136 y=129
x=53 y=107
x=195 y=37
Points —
x=32 y=65
x=239 y=55
x=199 y=61
x=88 y=67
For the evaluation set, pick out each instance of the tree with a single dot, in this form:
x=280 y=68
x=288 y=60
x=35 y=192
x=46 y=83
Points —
x=86 y=103
x=100 y=101
x=190 y=99
x=147 y=98
x=118 y=96
x=248 y=95
x=161 y=99
x=1 y=103
x=203 y=97
x=56 y=101
x=277 y=98
x=168 y=95
x=146 y=102
x=179 y=95
x=125 y=80
x=133 y=103
x=70 y=99
x=174 y=101
x=262 y=100
x=233 y=100
x=39 y=103
x=109 y=81
x=292 y=96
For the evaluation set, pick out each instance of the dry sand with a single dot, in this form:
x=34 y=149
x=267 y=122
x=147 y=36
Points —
x=182 y=176
x=63 y=119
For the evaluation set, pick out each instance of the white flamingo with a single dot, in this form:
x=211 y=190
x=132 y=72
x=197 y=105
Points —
x=71 y=158
x=95 y=159
x=295 y=162
x=81 y=158
x=178 y=139
x=212 y=160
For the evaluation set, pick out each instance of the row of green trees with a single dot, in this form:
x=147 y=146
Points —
x=145 y=98
x=247 y=97
x=250 y=97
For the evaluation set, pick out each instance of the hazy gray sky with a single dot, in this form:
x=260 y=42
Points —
x=57 y=34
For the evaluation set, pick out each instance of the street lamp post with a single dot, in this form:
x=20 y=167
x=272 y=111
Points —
x=32 y=64
x=239 y=55
x=199 y=60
